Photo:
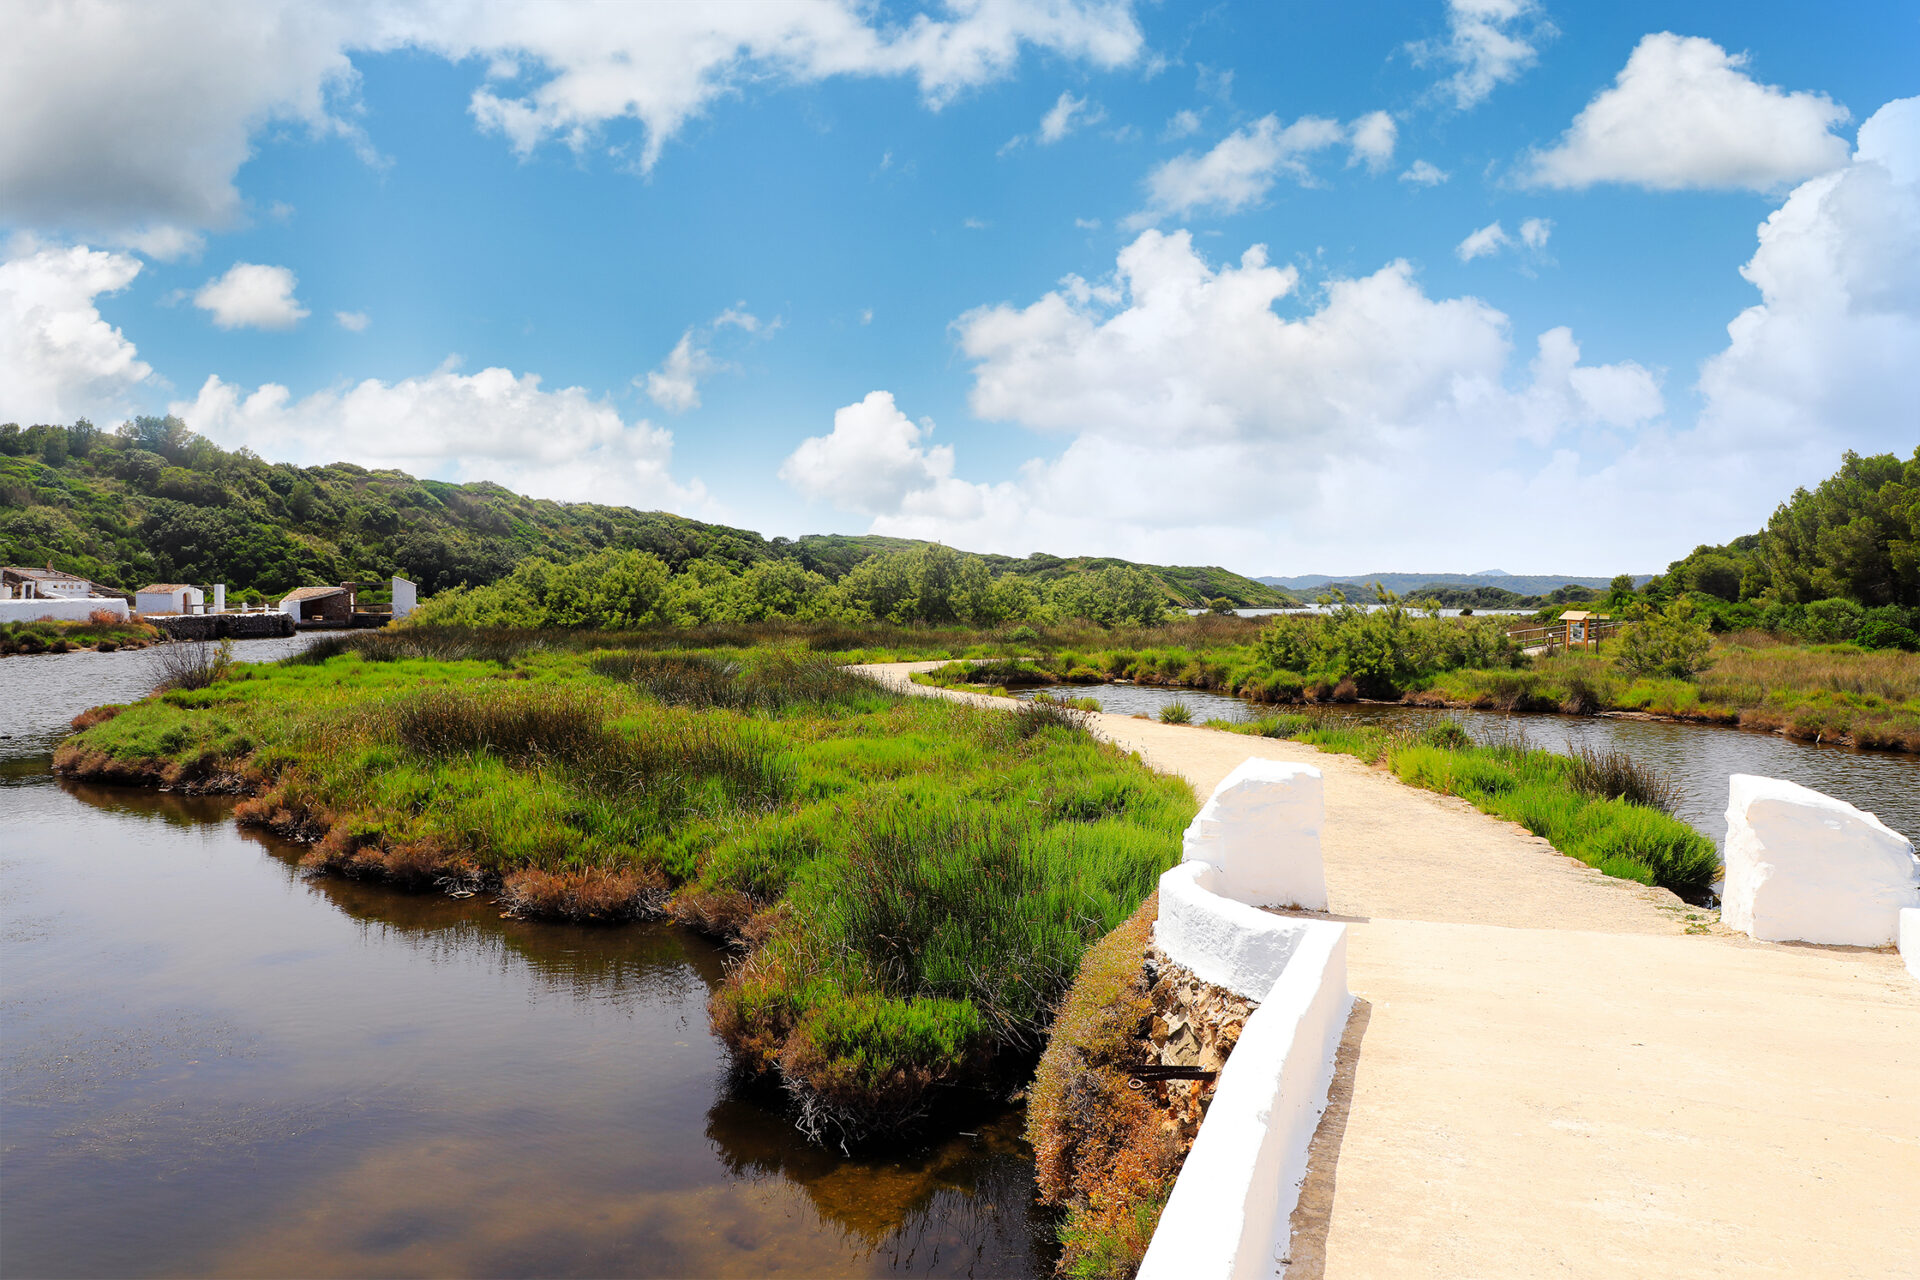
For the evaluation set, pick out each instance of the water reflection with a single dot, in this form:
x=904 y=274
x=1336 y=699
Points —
x=1701 y=758
x=212 y=1065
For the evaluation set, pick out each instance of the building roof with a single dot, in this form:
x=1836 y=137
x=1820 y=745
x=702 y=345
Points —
x=165 y=588
x=313 y=593
x=43 y=574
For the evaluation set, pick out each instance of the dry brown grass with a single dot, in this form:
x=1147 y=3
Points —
x=1883 y=673
x=1102 y=1151
x=595 y=896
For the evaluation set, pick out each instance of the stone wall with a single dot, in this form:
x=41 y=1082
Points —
x=225 y=626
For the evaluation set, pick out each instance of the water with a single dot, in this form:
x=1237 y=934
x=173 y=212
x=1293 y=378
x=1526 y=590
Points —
x=1700 y=758
x=211 y=1065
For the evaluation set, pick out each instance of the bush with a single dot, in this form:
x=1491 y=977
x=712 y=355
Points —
x=1176 y=712
x=1670 y=643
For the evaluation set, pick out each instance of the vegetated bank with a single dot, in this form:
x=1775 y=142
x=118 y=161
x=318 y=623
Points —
x=104 y=632
x=151 y=501
x=911 y=882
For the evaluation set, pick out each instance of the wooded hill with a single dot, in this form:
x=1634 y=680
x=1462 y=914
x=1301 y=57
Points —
x=152 y=502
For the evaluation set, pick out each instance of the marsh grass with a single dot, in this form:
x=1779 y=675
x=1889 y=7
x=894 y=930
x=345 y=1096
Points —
x=774 y=683
x=908 y=882
x=1176 y=712
x=190 y=664
x=1614 y=775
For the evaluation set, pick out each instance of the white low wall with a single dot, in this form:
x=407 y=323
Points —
x=1805 y=867
x=1261 y=828
x=1231 y=1209
x=60 y=610
x=1910 y=939
x=1256 y=840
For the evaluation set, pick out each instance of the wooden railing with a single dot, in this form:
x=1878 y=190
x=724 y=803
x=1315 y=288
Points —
x=1553 y=636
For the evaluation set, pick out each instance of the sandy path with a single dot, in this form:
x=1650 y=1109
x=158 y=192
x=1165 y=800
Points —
x=1548 y=1076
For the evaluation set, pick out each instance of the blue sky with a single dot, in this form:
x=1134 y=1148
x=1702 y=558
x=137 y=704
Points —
x=801 y=267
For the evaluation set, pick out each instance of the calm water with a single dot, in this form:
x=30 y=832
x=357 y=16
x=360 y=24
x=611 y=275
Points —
x=1699 y=757
x=210 y=1065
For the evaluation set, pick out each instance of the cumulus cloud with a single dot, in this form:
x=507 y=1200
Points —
x=1372 y=137
x=1684 y=113
x=1488 y=44
x=1239 y=171
x=491 y=425
x=872 y=460
x=1199 y=422
x=351 y=321
x=252 y=296
x=675 y=385
x=129 y=121
x=59 y=360
x=1421 y=173
x=1825 y=359
x=1534 y=232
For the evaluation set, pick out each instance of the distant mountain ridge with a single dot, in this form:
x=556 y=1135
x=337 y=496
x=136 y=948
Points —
x=1524 y=584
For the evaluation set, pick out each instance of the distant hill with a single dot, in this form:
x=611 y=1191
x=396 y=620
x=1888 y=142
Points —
x=152 y=502
x=1521 y=584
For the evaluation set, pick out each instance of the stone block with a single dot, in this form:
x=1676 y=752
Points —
x=1805 y=867
x=1261 y=830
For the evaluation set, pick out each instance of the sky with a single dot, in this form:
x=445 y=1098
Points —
x=1450 y=285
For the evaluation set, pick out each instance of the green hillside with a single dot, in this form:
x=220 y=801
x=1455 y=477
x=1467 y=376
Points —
x=154 y=502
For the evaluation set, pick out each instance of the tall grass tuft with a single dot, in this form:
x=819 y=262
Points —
x=772 y=683
x=1176 y=712
x=191 y=664
x=1614 y=775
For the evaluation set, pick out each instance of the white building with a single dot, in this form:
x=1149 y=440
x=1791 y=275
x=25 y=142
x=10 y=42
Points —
x=169 y=597
x=33 y=595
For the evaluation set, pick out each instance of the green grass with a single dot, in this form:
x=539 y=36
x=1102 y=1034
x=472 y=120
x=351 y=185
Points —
x=912 y=882
x=1585 y=807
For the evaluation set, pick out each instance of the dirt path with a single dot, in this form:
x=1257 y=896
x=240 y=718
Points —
x=1549 y=1075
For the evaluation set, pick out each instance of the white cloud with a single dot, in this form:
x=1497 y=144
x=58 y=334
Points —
x=1825 y=360
x=1423 y=174
x=866 y=315
x=1684 y=113
x=675 y=385
x=490 y=425
x=59 y=360
x=974 y=224
x=1372 y=137
x=1483 y=243
x=1182 y=124
x=352 y=321
x=1200 y=423
x=1238 y=172
x=1066 y=115
x=1489 y=43
x=252 y=296
x=1493 y=239
x=874 y=457
x=128 y=120
x=1087 y=224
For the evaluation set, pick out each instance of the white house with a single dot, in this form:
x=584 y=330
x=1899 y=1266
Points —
x=31 y=595
x=168 y=597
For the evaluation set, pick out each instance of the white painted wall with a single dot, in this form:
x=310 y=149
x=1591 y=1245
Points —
x=180 y=601
x=1910 y=939
x=291 y=608
x=1231 y=1209
x=62 y=610
x=1261 y=828
x=1227 y=943
x=1805 y=867
x=403 y=597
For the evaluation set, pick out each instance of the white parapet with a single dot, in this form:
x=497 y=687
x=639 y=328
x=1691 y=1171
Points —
x=1230 y=1214
x=405 y=598
x=1805 y=867
x=1910 y=939
x=1261 y=829
x=1255 y=843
